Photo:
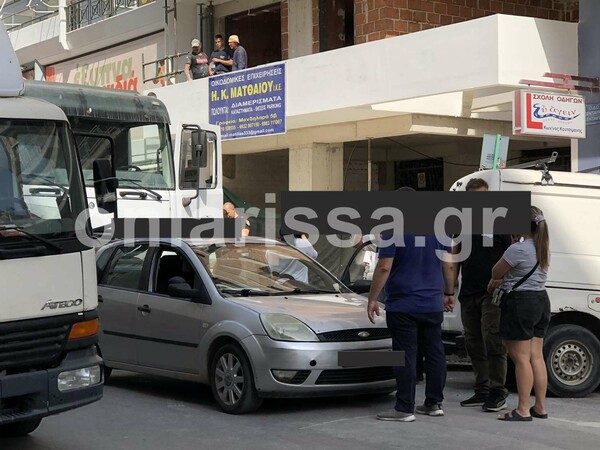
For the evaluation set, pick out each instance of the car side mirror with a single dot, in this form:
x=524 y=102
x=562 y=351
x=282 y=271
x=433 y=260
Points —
x=360 y=286
x=105 y=186
x=179 y=288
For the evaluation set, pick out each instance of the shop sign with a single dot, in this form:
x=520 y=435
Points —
x=549 y=114
x=248 y=103
x=119 y=67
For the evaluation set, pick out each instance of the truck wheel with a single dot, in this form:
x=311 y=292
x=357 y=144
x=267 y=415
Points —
x=572 y=355
x=21 y=428
x=232 y=382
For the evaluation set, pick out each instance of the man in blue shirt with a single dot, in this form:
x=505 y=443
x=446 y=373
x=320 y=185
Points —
x=419 y=288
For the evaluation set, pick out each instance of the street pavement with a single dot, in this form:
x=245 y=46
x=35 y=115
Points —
x=150 y=413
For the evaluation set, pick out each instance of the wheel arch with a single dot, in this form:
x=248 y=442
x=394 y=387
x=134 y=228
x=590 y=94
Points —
x=585 y=320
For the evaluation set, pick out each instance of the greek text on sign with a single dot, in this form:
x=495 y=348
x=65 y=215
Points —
x=549 y=114
x=248 y=103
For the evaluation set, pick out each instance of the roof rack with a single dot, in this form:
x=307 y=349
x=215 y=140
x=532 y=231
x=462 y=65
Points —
x=540 y=164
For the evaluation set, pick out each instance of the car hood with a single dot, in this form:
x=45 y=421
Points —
x=321 y=312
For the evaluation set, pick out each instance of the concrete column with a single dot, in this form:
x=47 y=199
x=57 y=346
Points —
x=300 y=22
x=316 y=167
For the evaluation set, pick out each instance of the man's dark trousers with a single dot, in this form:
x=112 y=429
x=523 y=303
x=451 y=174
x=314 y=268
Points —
x=481 y=322
x=404 y=328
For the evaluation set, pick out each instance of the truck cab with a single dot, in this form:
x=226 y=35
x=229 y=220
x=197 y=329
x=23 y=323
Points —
x=48 y=323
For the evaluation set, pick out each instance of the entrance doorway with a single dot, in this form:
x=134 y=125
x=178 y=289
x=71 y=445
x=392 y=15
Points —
x=421 y=175
x=259 y=31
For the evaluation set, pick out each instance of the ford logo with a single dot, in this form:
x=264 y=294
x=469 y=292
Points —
x=364 y=334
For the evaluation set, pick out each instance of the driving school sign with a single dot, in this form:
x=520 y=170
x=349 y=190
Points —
x=248 y=103
x=549 y=114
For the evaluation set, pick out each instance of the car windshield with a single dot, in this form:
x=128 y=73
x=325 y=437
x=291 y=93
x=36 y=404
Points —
x=265 y=269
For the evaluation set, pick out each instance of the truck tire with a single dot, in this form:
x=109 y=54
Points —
x=232 y=381
x=20 y=428
x=572 y=355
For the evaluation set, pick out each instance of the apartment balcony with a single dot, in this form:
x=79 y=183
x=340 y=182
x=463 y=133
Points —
x=448 y=80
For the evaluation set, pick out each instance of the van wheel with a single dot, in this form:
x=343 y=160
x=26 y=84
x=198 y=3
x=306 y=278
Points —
x=572 y=355
x=232 y=381
x=20 y=428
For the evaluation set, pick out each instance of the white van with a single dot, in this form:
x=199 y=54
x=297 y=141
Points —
x=571 y=205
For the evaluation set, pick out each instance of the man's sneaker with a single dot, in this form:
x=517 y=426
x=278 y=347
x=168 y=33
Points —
x=398 y=416
x=494 y=404
x=476 y=400
x=433 y=410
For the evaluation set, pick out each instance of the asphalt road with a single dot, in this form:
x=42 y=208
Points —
x=141 y=412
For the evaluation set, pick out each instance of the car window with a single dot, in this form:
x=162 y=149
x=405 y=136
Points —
x=363 y=264
x=126 y=266
x=168 y=264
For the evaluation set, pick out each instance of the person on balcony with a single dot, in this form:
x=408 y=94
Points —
x=196 y=62
x=218 y=57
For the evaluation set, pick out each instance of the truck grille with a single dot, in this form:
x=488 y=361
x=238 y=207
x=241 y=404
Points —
x=35 y=343
x=353 y=335
x=351 y=376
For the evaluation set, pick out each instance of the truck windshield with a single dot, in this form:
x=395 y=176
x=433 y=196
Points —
x=41 y=192
x=142 y=152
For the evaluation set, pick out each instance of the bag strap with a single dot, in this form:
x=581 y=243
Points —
x=524 y=279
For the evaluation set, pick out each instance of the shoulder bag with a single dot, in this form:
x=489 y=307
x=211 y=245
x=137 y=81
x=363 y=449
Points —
x=500 y=293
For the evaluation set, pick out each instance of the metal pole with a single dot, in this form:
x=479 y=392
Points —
x=369 y=181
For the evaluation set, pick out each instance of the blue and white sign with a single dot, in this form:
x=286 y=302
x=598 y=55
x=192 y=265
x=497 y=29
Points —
x=248 y=103
x=592 y=113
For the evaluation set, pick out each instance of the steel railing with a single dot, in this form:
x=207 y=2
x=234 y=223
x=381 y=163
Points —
x=88 y=12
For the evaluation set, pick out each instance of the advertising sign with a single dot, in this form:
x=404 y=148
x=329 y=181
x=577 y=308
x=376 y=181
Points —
x=592 y=113
x=248 y=103
x=118 y=68
x=549 y=114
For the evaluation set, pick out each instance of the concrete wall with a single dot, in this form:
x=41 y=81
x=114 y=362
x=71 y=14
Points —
x=379 y=19
x=257 y=174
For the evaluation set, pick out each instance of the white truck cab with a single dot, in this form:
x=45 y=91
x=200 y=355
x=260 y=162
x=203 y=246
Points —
x=48 y=320
x=571 y=206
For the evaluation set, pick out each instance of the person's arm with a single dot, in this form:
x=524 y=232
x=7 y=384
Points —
x=186 y=69
x=449 y=271
x=225 y=62
x=499 y=270
x=380 y=277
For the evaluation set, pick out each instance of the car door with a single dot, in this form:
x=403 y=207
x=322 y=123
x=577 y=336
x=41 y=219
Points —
x=170 y=328
x=359 y=271
x=119 y=286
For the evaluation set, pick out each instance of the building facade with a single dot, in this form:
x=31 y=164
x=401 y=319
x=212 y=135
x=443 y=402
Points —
x=379 y=93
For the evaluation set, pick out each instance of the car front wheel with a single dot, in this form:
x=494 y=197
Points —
x=232 y=382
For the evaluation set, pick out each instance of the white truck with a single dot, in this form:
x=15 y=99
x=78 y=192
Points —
x=571 y=205
x=48 y=320
x=163 y=169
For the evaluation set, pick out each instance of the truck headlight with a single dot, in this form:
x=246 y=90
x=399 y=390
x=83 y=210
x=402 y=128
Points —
x=79 y=378
x=282 y=327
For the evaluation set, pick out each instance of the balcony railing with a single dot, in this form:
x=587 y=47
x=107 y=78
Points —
x=87 y=12
x=24 y=18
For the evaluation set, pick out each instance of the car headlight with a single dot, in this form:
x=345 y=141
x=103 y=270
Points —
x=282 y=327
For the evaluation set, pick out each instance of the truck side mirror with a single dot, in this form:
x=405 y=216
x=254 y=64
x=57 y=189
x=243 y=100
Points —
x=199 y=148
x=105 y=186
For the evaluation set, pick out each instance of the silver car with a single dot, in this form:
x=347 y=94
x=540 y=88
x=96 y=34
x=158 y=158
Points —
x=253 y=321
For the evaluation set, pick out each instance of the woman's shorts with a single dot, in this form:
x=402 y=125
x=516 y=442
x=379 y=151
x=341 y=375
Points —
x=524 y=315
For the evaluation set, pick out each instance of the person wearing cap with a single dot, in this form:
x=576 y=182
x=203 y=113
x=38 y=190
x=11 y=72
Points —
x=196 y=62
x=239 y=60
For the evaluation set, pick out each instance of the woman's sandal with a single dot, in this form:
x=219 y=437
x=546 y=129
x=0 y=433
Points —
x=514 y=416
x=537 y=415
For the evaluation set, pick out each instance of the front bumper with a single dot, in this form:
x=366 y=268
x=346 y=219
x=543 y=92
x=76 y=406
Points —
x=35 y=394
x=320 y=359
